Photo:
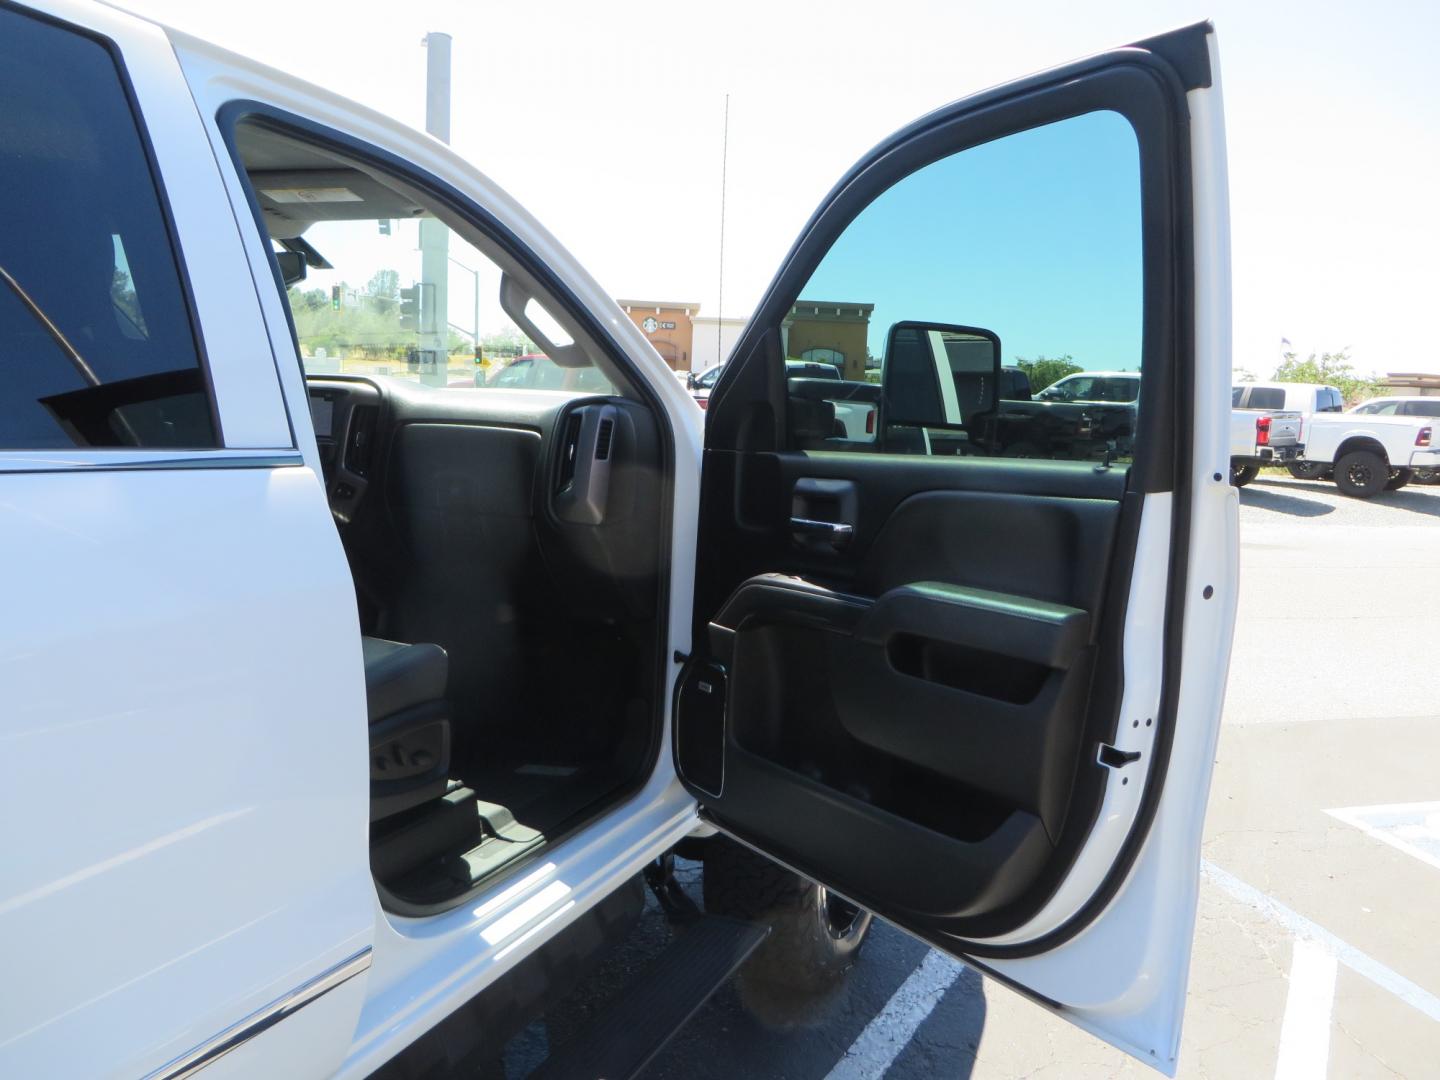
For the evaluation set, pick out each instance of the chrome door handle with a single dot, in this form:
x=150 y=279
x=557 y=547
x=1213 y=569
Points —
x=834 y=531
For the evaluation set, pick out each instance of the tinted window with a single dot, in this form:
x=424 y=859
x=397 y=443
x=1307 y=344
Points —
x=1235 y=392
x=96 y=348
x=1265 y=397
x=1422 y=408
x=1329 y=401
x=1026 y=250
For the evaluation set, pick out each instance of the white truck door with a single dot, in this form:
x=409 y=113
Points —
x=185 y=782
x=977 y=696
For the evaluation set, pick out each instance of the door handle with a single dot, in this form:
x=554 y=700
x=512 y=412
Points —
x=836 y=532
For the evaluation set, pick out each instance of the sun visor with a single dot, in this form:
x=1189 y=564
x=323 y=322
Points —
x=292 y=200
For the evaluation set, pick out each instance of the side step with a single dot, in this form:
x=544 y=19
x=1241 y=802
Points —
x=620 y=1041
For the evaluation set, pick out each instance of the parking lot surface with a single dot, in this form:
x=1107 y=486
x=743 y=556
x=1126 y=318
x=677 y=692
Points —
x=1316 y=951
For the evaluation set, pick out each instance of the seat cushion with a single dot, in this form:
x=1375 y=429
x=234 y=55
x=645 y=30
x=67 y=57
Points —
x=400 y=676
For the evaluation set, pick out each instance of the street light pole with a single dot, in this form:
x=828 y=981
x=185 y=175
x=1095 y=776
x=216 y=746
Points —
x=434 y=235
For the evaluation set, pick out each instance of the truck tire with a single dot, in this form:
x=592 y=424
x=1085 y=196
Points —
x=1398 y=479
x=1306 y=470
x=1240 y=475
x=1361 y=474
x=815 y=937
x=1425 y=476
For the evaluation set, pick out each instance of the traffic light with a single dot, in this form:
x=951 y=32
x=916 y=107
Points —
x=335 y=297
x=410 y=308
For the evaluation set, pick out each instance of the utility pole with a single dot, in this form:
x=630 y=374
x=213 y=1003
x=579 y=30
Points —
x=434 y=234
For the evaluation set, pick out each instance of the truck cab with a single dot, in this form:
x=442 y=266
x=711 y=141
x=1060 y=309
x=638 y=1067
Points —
x=340 y=687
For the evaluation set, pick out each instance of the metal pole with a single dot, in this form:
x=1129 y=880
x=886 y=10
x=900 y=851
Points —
x=434 y=234
x=720 y=273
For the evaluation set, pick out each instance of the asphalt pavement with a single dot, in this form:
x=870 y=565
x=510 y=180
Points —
x=1316 y=951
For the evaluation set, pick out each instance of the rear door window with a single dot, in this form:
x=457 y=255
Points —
x=1421 y=408
x=97 y=349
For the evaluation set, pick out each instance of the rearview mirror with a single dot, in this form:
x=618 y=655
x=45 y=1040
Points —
x=939 y=375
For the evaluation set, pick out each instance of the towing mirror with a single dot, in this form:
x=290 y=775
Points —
x=939 y=375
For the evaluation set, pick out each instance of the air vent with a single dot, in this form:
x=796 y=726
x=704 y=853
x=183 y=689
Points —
x=360 y=441
x=569 y=447
x=602 y=440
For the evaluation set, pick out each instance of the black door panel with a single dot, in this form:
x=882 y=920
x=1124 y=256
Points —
x=925 y=681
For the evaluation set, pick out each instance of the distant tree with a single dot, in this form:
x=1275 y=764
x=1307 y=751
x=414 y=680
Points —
x=383 y=291
x=1044 y=370
x=1333 y=369
x=1242 y=375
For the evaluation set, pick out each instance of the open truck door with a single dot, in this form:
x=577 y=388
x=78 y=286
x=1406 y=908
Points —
x=980 y=696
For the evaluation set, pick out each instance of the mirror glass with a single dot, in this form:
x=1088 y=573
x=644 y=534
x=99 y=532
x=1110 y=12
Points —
x=1033 y=240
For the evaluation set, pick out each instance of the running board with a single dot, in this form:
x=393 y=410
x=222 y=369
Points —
x=620 y=1042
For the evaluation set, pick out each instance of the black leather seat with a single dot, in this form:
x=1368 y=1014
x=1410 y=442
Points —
x=409 y=724
x=400 y=676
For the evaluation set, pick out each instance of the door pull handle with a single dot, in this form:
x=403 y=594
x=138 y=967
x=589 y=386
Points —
x=837 y=532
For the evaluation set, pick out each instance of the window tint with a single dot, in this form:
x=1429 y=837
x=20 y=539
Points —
x=1422 y=408
x=96 y=346
x=1266 y=397
x=1235 y=392
x=960 y=294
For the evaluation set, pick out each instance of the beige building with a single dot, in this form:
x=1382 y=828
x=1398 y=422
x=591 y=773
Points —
x=669 y=326
x=830 y=332
x=1418 y=383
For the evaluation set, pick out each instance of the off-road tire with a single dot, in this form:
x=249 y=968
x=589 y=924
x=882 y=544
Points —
x=1240 y=475
x=808 y=950
x=1306 y=470
x=1398 y=479
x=1361 y=474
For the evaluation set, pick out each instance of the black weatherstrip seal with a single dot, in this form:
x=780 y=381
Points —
x=1165 y=429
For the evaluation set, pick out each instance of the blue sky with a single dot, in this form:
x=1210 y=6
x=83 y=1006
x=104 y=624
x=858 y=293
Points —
x=1035 y=236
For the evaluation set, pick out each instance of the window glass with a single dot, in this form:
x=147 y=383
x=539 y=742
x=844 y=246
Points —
x=1329 y=401
x=955 y=305
x=1235 y=392
x=96 y=346
x=1382 y=408
x=1266 y=397
x=379 y=286
x=1422 y=408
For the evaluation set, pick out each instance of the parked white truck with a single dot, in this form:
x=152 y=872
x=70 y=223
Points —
x=345 y=702
x=1370 y=453
x=1259 y=438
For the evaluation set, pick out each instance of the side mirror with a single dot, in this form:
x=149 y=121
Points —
x=690 y=380
x=939 y=375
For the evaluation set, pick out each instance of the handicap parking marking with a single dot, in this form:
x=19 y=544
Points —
x=1413 y=828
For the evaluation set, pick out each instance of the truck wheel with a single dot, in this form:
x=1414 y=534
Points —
x=1398 y=479
x=1361 y=474
x=1306 y=470
x=1240 y=475
x=815 y=936
x=1425 y=476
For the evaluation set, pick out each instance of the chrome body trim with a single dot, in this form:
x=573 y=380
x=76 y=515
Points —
x=38 y=461
x=261 y=1020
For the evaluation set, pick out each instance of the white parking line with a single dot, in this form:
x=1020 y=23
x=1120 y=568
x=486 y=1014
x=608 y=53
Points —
x=876 y=1048
x=1305 y=1030
x=1361 y=963
x=1413 y=828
